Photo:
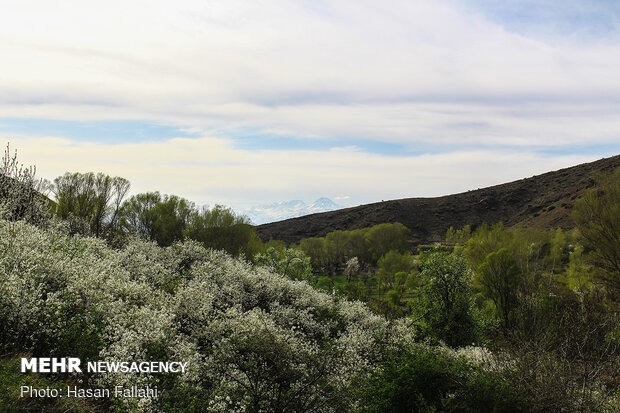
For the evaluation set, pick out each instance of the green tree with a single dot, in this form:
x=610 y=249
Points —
x=579 y=273
x=392 y=263
x=443 y=308
x=387 y=237
x=162 y=219
x=221 y=228
x=425 y=379
x=357 y=245
x=458 y=237
x=518 y=269
x=94 y=199
x=484 y=241
x=336 y=243
x=290 y=262
x=316 y=250
x=498 y=276
x=597 y=215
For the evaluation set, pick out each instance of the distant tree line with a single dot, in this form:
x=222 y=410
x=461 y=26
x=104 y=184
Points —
x=331 y=253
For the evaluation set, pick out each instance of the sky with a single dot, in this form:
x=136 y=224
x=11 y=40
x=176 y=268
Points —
x=243 y=103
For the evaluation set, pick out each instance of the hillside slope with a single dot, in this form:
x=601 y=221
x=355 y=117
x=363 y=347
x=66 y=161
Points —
x=542 y=201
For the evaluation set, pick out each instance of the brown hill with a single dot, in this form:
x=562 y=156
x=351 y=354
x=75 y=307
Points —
x=543 y=201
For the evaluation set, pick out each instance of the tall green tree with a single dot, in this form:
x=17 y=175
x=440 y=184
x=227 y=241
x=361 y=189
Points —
x=392 y=263
x=162 y=219
x=387 y=237
x=443 y=308
x=222 y=229
x=336 y=243
x=499 y=276
x=597 y=215
x=315 y=249
x=95 y=199
x=357 y=245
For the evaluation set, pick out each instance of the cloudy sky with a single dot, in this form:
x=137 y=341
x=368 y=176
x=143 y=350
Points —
x=250 y=102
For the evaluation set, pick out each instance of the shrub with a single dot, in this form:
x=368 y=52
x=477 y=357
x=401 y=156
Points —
x=422 y=379
x=20 y=192
x=254 y=339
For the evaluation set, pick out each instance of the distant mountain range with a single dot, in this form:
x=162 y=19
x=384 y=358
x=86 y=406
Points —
x=278 y=211
x=544 y=201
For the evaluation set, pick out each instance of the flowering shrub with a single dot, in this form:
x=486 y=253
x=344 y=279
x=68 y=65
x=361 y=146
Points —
x=20 y=192
x=255 y=340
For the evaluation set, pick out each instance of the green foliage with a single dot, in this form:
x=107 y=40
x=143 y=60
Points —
x=484 y=241
x=168 y=219
x=336 y=246
x=330 y=253
x=458 y=237
x=93 y=204
x=442 y=309
x=356 y=291
x=573 y=366
x=390 y=306
x=412 y=281
x=158 y=218
x=289 y=262
x=79 y=330
x=579 y=273
x=419 y=379
x=91 y=201
x=400 y=280
x=383 y=238
x=221 y=229
x=517 y=270
x=316 y=250
x=557 y=256
x=597 y=215
x=392 y=263
x=358 y=245
x=498 y=276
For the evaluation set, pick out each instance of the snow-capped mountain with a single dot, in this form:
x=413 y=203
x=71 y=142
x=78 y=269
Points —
x=261 y=214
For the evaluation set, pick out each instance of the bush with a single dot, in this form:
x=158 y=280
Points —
x=20 y=192
x=255 y=340
x=423 y=379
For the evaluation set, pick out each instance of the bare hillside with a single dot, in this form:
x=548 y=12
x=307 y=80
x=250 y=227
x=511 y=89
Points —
x=542 y=201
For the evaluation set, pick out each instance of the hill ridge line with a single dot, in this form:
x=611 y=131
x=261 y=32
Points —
x=541 y=201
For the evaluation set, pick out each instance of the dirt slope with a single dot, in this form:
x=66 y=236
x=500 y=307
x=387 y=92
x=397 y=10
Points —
x=542 y=201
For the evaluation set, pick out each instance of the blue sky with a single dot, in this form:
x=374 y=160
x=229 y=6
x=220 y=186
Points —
x=592 y=20
x=244 y=103
x=109 y=131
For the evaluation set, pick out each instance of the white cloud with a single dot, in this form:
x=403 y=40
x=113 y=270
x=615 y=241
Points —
x=399 y=71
